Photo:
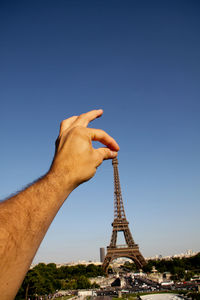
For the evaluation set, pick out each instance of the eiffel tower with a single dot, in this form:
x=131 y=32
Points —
x=120 y=223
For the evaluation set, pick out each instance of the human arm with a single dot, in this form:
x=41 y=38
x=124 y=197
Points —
x=25 y=218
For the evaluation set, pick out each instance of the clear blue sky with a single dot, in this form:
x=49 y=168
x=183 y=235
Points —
x=140 y=62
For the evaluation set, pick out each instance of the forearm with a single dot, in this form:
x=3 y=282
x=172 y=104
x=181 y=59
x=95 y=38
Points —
x=24 y=220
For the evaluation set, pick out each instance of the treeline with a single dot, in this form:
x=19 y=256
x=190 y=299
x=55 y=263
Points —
x=46 y=279
x=180 y=268
x=189 y=263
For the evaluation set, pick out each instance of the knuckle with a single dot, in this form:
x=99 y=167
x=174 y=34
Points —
x=62 y=123
x=102 y=131
x=66 y=121
x=77 y=130
x=81 y=117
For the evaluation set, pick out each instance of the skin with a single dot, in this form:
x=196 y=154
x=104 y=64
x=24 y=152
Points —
x=25 y=218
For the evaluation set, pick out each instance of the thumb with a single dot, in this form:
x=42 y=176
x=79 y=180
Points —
x=105 y=153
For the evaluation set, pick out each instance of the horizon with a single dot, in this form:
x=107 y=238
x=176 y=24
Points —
x=177 y=255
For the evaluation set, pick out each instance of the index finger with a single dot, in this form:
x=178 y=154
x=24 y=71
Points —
x=101 y=136
x=86 y=118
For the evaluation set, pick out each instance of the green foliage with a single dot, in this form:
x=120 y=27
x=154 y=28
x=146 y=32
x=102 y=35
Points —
x=129 y=266
x=180 y=268
x=148 y=267
x=178 y=273
x=189 y=275
x=46 y=279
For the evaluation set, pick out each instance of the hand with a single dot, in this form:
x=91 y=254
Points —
x=75 y=159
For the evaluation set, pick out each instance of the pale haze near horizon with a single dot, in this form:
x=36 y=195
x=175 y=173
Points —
x=140 y=63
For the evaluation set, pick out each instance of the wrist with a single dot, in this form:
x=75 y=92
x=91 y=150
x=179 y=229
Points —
x=61 y=183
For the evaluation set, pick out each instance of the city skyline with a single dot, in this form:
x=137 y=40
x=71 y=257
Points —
x=188 y=253
x=140 y=63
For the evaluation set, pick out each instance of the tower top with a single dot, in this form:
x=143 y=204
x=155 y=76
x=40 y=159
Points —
x=119 y=212
x=115 y=161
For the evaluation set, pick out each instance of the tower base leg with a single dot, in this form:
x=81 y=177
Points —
x=131 y=253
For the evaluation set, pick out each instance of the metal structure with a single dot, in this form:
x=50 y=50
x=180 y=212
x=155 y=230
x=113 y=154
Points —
x=120 y=223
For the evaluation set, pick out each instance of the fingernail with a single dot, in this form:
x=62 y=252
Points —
x=100 y=110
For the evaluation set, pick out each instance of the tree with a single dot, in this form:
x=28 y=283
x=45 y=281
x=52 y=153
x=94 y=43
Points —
x=83 y=282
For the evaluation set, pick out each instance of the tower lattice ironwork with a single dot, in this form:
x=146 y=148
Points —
x=120 y=223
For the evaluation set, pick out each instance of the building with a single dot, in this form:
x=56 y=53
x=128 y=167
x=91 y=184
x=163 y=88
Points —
x=102 y=254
